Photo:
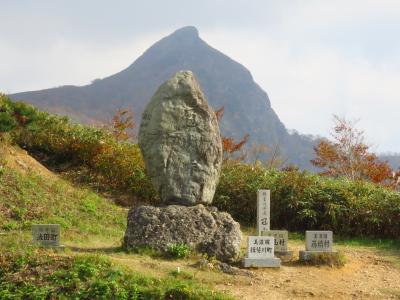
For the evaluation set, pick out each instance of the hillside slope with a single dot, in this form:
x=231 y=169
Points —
x=224 y=82
x=29 y=193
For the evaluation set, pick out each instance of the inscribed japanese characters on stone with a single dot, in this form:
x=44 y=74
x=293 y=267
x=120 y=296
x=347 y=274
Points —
x=281 y=239
x=319 y=241
x=260 y=247
x=263 y=211
x=46 y=235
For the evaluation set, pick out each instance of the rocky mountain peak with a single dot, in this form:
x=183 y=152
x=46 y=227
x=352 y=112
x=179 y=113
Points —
x=186 y=32
x=225 y=83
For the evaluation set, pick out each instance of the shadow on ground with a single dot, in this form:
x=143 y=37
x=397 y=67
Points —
x=105 y=250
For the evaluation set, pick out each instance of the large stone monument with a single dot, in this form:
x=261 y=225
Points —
x=182 y=150
x=181 y=143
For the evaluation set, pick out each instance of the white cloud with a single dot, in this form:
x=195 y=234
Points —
x=307 y=87
x=66 y=62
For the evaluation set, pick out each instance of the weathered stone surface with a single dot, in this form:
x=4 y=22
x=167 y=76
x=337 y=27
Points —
x=271 y=262
x=181 y=143
x=204 y=229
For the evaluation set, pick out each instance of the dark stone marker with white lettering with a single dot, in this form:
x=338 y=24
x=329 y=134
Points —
x=47 y=235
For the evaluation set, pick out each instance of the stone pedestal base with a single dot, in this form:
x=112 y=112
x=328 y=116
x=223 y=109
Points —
x=272 y=262
x=284 y=255
x=203 y=229
x=308 y=255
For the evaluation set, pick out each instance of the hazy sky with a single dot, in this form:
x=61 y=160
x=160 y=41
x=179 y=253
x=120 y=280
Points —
x=314 y=58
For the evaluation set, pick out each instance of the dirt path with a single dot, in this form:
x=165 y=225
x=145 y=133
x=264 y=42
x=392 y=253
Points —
x=367 y=275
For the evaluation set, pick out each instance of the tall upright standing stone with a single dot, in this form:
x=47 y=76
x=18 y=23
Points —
x=264 y=224
x=263 y=210
x=182 y=149
x=181 y=143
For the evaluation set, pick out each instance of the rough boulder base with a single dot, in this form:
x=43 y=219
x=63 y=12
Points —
x=181 y=143
x=204 y=229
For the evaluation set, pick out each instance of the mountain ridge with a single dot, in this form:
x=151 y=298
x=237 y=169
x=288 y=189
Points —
x=224 y=81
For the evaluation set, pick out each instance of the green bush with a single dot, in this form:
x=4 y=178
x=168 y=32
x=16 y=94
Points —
x=14 y=114
x=181 y=292
x=303 y=201
x=178 y=251
x=7 y=122
x=118 y=165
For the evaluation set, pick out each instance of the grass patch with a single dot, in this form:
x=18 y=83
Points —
x=331 y=259
x=382 y=244
x=178 y=251
x=174 y=251
x=297 y=236
x=26 y=199
x=178 y=273
x=146 y=251
x=40 y=275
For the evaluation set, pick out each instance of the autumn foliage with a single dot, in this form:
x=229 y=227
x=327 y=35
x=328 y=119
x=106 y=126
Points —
x=123 y=124
x=231 y=148
x=348 y=156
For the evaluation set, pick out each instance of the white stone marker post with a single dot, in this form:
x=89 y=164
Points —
x=317 y=242
x=263 y=210
x=260 y=253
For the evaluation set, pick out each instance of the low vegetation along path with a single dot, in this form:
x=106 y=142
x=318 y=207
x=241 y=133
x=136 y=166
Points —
x=369 y=273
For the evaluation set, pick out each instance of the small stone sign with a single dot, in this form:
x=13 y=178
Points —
x=281 y=244
x=260 y=252
x=280 y=237
x=263 y=211
x=47 y=235
x=319 y=241
x=260 y=247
